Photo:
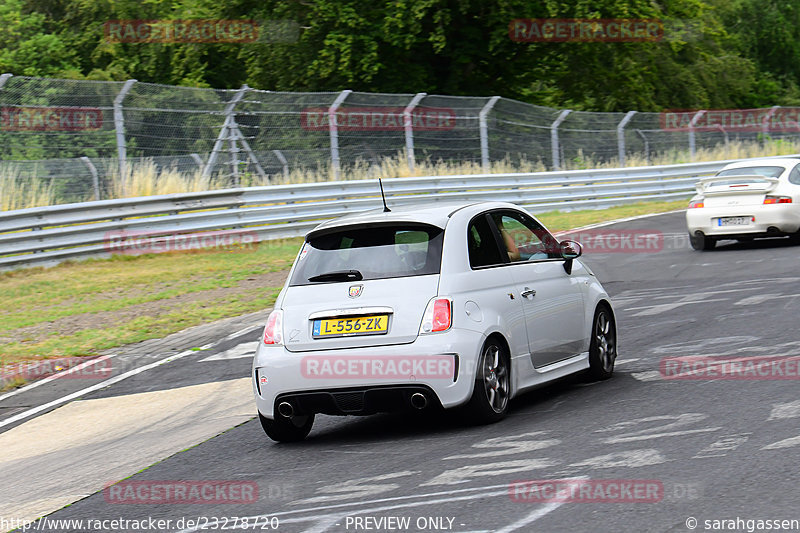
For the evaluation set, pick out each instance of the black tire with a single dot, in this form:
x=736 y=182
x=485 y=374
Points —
x=489 y=401
x=702 y=243
x=603 y=345
x=284 y=429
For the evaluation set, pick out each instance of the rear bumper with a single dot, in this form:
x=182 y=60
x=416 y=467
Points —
x=280 y=375
x=770 y=220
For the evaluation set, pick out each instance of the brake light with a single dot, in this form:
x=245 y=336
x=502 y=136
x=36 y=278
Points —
x=695 y=204
x=438 y=316
x=777 y=199
x=273 y=332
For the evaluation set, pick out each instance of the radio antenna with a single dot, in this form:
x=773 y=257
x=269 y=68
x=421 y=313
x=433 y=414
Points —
x=383 y=197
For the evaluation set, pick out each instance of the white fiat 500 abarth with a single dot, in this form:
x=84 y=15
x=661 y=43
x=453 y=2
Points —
x=435 y=305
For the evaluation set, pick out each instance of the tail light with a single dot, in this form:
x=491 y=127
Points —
x=438 y=316
x=695 y=204
x=273 y=333
x=777 y=199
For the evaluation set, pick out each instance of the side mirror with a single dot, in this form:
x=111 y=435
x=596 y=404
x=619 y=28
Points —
x=570 y=250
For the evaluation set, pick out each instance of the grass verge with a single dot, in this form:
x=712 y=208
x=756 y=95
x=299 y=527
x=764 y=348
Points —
x=81 y=308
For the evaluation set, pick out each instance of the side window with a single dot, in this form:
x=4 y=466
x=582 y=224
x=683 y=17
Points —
x=483 y=250
x=794 y=175
x=524 y=239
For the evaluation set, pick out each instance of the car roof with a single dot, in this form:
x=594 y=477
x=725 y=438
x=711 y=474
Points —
x=424 y=212
x=785 y=162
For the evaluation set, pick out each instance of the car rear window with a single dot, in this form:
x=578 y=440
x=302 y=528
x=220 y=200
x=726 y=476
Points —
x=768 y=172
x=375 y=252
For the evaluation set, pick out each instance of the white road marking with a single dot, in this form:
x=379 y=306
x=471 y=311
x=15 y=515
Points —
x=650 y=375
x=696 y=346
x=356 y=488
x=761 y=298
x=625 y=361
x=657 y=309
x=722 y=446
x=116 y=379
x=246 y=349
x=509 y=445
x=629 y=459
x=785 y=410
x=532 y=517
x=466 y=473
x=785 y=443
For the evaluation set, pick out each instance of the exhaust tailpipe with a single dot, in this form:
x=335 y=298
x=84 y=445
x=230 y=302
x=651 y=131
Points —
x=285 y=409
x=419 y=401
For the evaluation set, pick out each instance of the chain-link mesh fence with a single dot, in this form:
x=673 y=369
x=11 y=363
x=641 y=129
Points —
x=72 y=140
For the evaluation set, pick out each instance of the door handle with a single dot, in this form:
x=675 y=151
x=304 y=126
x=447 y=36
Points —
x=527 y=292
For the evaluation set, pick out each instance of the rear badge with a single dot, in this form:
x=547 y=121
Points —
x=355 y=291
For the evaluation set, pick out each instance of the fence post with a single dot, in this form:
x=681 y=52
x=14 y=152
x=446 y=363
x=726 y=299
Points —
x=692 y=124
x=197 y=159
x=283 y=161
x=646 y=145
x=224 y=131
x=119 y=126
x=3 y=79
x=93 y=171
x=724 y=133
x=484 y=132
x=333 y=128
x=621 y=136
x=765 y=122
x=407 y=124
x=554 y=137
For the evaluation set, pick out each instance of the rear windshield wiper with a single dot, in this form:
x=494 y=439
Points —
x=338 y=275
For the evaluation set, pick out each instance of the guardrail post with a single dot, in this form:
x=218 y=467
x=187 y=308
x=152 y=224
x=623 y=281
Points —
x=119 y=126
x=224 y=132
x=621 y=136
x=408 y=125
x=93 y=171
x=333 y=129
x=284 y=163
x=554 y=137
x=646 y=145
x=484 y=132
x=692 y=124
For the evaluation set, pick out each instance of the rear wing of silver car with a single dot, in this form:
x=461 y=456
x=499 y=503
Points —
x=744 y=184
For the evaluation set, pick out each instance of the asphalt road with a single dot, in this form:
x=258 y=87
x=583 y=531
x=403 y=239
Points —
x=715 y=449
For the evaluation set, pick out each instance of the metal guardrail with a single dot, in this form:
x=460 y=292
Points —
x=47 y=235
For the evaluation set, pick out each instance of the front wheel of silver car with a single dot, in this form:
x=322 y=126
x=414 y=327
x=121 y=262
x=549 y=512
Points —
x=489 y=401
x=603 y=344
x=283 y=429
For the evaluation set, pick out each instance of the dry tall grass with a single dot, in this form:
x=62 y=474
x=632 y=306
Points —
x=143 y=177
x=18 y=191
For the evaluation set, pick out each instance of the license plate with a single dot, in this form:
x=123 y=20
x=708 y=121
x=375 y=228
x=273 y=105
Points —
x=356 y=325
x=733 y=221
